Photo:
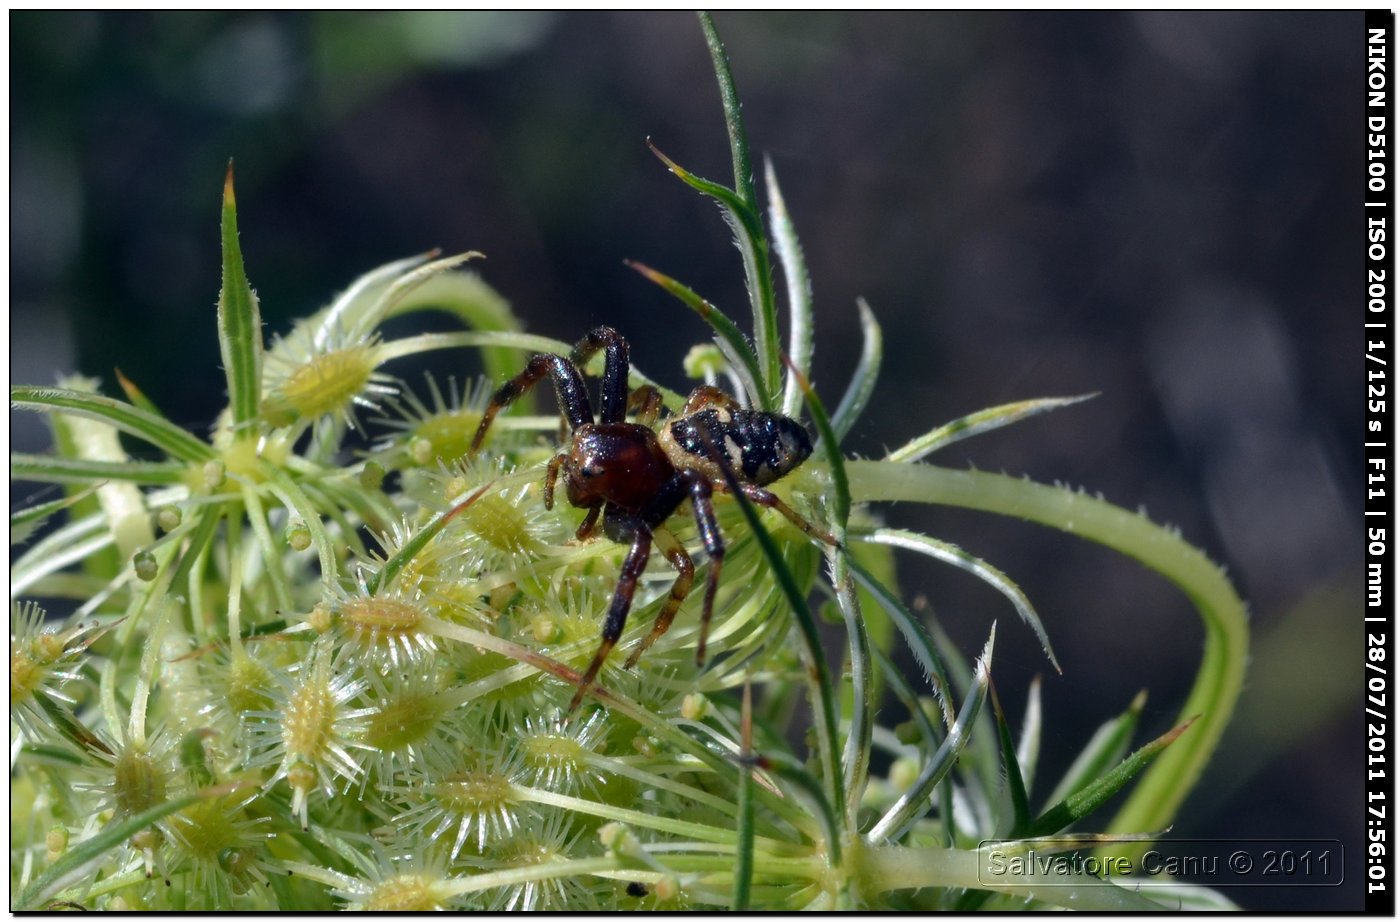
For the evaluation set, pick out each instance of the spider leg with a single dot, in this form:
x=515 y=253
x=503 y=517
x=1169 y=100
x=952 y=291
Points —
x=590 y=521
x=762 y=497
x=685 y=577
x=706 y=395
x=568 y=390
x=612 y=396
x=616 y=619
x=645 y=401
x=551 y=477
x=700 y=492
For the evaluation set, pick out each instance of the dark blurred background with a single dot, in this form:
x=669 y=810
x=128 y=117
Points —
x=1159 y=207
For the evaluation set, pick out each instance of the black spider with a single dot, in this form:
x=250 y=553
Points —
x=635 y=478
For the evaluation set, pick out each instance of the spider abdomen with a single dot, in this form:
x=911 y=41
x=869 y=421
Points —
x=759 y=447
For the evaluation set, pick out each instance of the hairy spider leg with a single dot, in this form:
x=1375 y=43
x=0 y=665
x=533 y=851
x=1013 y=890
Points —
x=645 y=402
x=700 y=492
x=693 y=486
x=612 y=394
x=761 y=497
x=685 y=578
x=568 y=390
x=707 y=395
x=616 y=619
x=590 y=521
x=551 y=477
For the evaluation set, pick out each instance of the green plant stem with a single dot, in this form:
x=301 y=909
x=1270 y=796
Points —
x=46 y=468
x=756 y=268
x=656 y=724
x=1164 y=786
x=465 y=296
x=293 y=498
x=883 y=869
x=271 y=552
x=111 y=835
x=700 y=832
x=166 y=436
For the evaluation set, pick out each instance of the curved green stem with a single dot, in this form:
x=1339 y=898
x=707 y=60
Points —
x=1156 y=798
x=904 y=868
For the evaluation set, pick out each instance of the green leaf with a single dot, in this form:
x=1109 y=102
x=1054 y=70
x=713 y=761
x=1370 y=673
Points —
x=879 y=561
x=1087 y=799
x=786 y=768
x=1108 y=745
x=71 y=440
x=915 y=636
x=743 y=855
x=818 y=673
x=466 y=296
x=733 y=113
x=137 y=396
x=799 y=290
x=1011 y=768
x=201 y=536
x=918 y=714
x=913 y=803
x=830 y=445
x=1028 y=750
x=856 y=757
x=949 y=553
x=867 y=372
x=69 y=543
x=166 y=436
x=50 y=469
x=1155 y=800
x=753 y=247
x=978 y=423
x=48 y=882
x=728 y=337
x=240 y=325
x=401 y=291
x=351 y=309
x=24 y=522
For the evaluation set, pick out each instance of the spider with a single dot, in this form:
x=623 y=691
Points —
x=635 y=477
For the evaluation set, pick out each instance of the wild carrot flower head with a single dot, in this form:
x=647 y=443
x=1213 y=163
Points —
x=43 y=659
x=555 y=752
x=311 y=729
x=414 y=879
x=309 y=378
x=466 y=797
x=387 y=630
x=438 y=432
x=222 y=846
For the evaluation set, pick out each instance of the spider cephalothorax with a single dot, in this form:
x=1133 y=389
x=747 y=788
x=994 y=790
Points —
x=635 y=478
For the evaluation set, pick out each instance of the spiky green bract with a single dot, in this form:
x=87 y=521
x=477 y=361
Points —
x=240 y=323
